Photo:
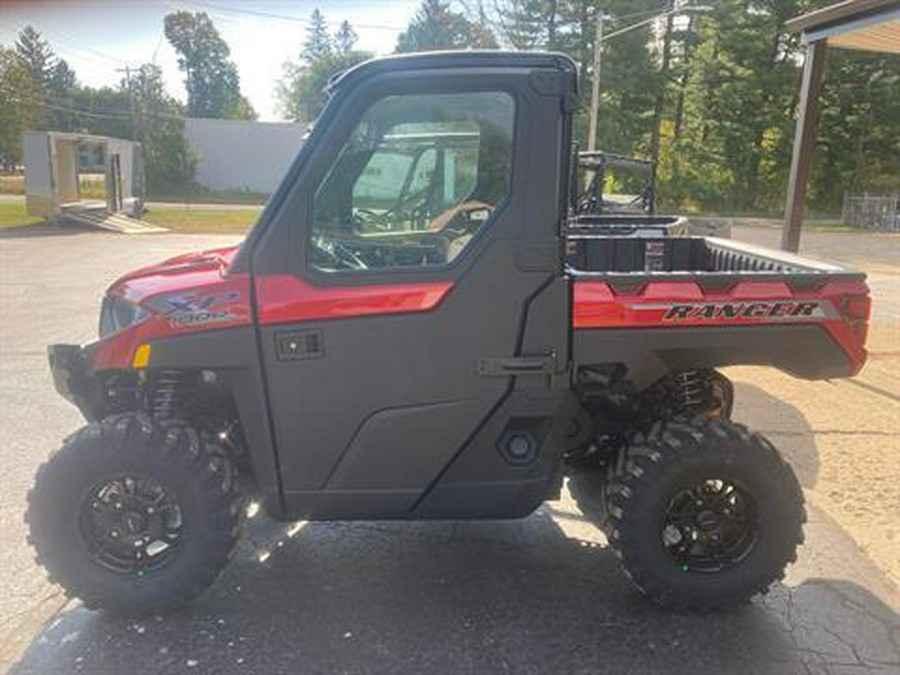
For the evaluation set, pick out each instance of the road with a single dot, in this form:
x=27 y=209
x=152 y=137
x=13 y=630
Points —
x=539 y=595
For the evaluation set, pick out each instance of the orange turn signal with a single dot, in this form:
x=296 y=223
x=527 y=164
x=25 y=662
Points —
x=141 y=357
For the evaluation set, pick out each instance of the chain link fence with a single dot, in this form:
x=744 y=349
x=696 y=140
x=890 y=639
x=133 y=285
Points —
x=874 y=212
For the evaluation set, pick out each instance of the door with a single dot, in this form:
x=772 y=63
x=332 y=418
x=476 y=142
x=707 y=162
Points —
x=404 y=260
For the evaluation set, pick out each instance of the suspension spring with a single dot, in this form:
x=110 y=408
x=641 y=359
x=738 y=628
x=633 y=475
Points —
x=691 y=389
x=165 y=402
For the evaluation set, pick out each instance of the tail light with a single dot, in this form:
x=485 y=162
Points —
x=856 y=310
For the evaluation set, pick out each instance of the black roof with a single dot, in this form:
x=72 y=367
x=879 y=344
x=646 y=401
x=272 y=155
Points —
x=494 y=58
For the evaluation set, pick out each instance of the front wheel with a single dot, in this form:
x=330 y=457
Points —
x=134 y=516
x=702 y=515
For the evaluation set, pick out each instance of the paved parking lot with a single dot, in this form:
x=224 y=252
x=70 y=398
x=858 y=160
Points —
x=537 y=595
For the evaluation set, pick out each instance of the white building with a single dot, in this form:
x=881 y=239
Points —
x=240 y=154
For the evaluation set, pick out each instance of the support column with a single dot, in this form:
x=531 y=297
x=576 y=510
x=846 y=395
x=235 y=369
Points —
x=804 y=141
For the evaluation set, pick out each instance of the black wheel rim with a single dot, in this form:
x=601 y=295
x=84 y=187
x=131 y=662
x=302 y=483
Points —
x=131 y=525
x=710 y=526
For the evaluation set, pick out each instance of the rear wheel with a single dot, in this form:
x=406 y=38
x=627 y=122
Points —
x=133 y=516
x=702 y=515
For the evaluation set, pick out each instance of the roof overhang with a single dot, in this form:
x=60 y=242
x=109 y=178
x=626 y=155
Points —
x=868 y=25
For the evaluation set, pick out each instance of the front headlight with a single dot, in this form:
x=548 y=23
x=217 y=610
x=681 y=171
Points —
x=117 y=314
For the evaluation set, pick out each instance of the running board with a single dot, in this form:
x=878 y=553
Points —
x=114 y=222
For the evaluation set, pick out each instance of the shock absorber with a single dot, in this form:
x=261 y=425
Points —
x=691 y=390
x=165 y=394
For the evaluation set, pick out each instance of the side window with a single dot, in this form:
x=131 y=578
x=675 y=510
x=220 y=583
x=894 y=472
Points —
x=419 y=176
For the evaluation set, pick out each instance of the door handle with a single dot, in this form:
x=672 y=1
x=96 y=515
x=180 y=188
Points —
x=517 y=365
x=298 y=344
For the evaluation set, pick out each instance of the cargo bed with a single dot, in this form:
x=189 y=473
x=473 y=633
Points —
x=709 y=261
x=702 y=302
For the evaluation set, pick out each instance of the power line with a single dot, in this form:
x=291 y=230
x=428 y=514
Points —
x=74 y=46
x=43 y=104
x=283 y=17
x=162 y=34
x=647 y=12
x=123 y=116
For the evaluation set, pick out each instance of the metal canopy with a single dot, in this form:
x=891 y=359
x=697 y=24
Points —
x=876 y=32
x=869 y=25
x=884 y=37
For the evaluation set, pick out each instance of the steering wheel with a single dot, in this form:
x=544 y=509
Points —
x=333 y=253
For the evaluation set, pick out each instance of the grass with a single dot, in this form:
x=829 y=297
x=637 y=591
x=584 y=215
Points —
x=14 y=215
x=90 y=185
x=203 y=221
x=12 y=185
x=202 y=195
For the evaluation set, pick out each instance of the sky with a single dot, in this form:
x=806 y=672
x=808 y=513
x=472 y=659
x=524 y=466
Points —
x=100 y=37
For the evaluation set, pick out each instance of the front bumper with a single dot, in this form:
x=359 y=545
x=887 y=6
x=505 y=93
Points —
x=69 y=365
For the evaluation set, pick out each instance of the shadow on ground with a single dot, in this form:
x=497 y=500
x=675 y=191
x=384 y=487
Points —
x=466 y=597
x=784 y=425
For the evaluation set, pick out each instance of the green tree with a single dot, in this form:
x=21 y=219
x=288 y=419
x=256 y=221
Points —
x=345 y=38
x=16 y=106
x=435 y=26
x=106 y=111
x=736 y=126
x=62 y=78
x=58 y=91
x=35 y=54
x=301 y=90
x=211 y=78
x=523 y=24
x=858 y=139
x=318 y=41
x=168 y=161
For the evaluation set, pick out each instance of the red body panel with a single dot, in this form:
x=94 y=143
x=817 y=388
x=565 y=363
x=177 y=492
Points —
x=192 y=293
x=189 y=293
x=288 y=299
x=675 y=304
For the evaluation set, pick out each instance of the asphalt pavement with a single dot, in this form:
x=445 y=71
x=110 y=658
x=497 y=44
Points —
x=539 y=595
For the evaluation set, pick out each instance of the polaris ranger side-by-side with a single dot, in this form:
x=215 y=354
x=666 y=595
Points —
x=411 y=332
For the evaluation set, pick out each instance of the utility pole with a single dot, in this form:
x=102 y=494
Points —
x=660 y=101
x=600 y=38
x=134 y=121
x=595 y=84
